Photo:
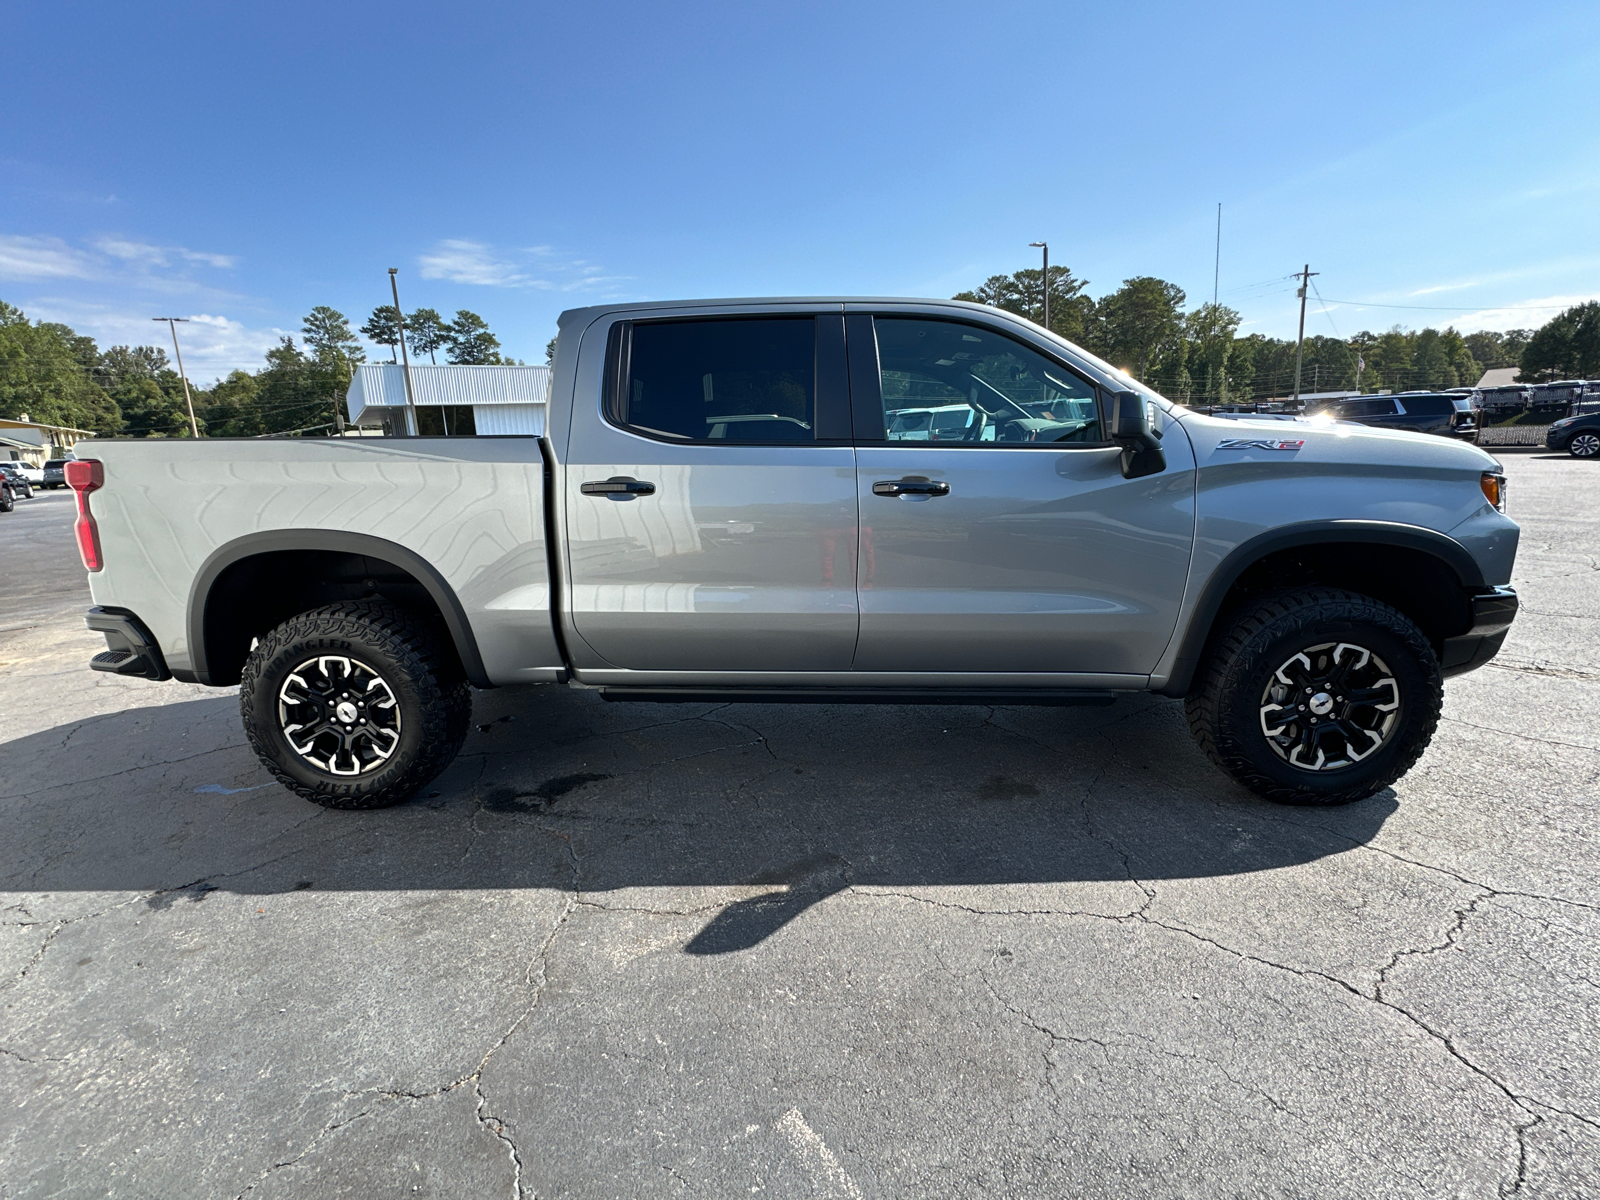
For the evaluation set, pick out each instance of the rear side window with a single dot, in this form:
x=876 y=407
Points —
x=729 y=380
x=1431 y=406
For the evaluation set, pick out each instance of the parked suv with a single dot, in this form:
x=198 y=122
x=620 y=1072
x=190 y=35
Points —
x=1578 y=436
x=1420 y=412
x=54 y=473
x=20 y=484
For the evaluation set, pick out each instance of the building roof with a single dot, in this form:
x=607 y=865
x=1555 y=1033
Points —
x=19 y=423
x=1499 y=377
x=383 y=385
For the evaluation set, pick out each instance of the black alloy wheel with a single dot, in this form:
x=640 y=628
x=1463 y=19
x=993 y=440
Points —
x=354 y=705
x=1316 y=696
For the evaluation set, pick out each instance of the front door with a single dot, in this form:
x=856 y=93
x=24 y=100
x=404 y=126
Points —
x=1016 y=545
x=711 y=509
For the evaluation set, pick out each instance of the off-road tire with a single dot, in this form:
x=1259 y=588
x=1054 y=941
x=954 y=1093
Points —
x=1224 y=706
x=434 y=701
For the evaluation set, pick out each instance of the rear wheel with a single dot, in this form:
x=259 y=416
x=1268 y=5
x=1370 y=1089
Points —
x=1317 y=697
x=354 y=705
x=1585 y=445
x=7 y=502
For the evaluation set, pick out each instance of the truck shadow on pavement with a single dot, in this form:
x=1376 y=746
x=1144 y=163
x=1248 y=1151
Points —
x=744 y=816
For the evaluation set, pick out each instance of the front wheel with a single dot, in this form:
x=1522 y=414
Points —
x=1317 y=696
x=354 y=705
x=7 y=503
x=1584 y=445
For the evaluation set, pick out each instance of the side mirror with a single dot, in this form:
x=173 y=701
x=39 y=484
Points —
x=1133 y=429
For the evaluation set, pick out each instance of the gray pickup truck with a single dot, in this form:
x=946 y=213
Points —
x=723 y=506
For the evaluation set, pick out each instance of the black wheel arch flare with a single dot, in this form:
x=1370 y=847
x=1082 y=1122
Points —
x=1202 y=622
x=200 y=621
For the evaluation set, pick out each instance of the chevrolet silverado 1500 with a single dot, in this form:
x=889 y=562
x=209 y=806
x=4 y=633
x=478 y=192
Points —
x=723 y=506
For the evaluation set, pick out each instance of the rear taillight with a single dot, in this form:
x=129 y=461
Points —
x=84 y=475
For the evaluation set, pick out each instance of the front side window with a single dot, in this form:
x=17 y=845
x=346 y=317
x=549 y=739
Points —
x=978 y=387
x=728 y=380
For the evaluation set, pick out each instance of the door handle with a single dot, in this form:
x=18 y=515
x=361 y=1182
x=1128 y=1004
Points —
x=912 y=485
x=618 y=487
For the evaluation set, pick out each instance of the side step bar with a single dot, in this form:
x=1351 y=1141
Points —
x=131 y=650
x=849 y=695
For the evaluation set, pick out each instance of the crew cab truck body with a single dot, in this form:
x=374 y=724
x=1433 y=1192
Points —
x=719 y=509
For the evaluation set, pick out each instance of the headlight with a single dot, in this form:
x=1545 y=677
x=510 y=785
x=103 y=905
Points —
x=1494 y=489
x=1563 y=423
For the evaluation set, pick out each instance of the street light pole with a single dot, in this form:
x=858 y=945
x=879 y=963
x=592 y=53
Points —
x=1046 y=289
x=194 y=426
x=405 y=359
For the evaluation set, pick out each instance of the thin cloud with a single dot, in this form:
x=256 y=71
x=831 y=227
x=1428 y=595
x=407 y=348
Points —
x=1528 y=315
x=42 y=258
x=460 y=261
x=107 y=260
x=213 y=344
x=145 y=254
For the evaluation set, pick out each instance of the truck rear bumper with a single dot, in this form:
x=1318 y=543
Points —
x=131 y=649
x=1492 y=614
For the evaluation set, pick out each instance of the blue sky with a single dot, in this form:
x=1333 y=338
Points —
x=238 y=164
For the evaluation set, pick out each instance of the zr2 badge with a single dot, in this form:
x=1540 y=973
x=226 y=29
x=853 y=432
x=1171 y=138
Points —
x=1258 y=444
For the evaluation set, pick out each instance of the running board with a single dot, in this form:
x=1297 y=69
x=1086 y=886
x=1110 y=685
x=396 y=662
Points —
x=850 y=695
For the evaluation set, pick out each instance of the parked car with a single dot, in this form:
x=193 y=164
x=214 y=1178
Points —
x=1305 y=587
x=1578 y=436
x=54 y=476
x=1420 y=412
x=34 y=475
x=18 y=481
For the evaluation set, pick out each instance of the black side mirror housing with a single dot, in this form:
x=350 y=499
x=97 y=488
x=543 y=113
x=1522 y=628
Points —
x=1133 y=429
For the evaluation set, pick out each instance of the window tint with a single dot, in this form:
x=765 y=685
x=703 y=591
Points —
x=721 y=381
x=982 y=386
x=1432 y=406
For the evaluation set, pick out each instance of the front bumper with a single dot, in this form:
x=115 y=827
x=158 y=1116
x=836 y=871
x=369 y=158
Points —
x=131 y=649
x=1492 y=614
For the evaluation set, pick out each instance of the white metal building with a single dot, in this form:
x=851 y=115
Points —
x=450 y=400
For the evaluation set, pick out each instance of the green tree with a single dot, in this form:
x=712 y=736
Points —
x=550 y=352
x=427 y=333
x=1389 y=361
x=1211 y=329
x=471 y=342
x=1430 y=362
x=155 y=411
x=1140 y=325
x=383 y=328
x=235 y=408
x=47 y=374
x=1566 y=347
x=1070 y=309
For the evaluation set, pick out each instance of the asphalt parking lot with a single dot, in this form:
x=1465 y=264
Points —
x=631 y=950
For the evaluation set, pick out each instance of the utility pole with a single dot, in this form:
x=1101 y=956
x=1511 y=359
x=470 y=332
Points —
x=1299 y=343
x=194 y=426
x=1216 y=273
x=405 y=359
x=1045 y=246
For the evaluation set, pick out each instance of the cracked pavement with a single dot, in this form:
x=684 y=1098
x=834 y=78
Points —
x=706 y=950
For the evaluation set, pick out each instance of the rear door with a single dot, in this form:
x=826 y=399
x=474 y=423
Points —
x=1020 y=547
x=710 y=497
